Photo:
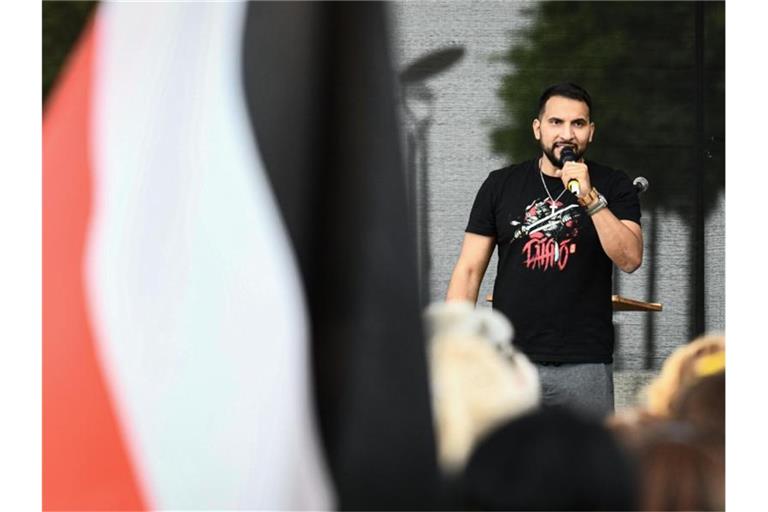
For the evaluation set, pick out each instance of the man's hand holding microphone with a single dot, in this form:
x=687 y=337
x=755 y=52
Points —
x=575 y=174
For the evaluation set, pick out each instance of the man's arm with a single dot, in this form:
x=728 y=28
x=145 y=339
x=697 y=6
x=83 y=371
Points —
x=469 y=271
x=622 y=240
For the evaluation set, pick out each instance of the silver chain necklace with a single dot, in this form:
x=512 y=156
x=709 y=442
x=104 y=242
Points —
x=553 y=203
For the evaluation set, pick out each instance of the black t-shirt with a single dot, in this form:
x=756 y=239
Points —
x=554 y=281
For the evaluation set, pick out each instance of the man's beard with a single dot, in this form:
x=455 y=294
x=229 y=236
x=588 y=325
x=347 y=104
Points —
x=550 y=154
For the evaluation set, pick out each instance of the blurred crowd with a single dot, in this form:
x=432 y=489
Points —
x=500 y=449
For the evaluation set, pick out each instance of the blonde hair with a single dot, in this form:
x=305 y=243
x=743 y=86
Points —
x=681 y=369
x=478 y=379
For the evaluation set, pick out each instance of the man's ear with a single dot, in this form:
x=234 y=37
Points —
x=591 y=131
x=536 y=126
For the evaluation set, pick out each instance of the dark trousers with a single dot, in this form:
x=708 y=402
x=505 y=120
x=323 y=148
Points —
x=586 y=388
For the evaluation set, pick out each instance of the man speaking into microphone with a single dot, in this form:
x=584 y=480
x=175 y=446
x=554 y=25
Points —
x=560 y=223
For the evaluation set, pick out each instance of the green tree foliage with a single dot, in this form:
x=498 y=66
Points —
x=62 y=24
x=639 y=62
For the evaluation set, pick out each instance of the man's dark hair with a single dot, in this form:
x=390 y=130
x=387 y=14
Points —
x=566 y=90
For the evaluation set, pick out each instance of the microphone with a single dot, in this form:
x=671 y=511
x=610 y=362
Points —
x=641 y=184
x=568 y=155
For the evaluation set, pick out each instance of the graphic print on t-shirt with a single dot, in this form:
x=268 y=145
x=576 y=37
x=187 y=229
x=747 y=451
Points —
x=551 y=229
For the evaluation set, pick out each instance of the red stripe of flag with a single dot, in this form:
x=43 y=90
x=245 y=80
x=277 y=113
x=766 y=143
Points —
x=85 y=461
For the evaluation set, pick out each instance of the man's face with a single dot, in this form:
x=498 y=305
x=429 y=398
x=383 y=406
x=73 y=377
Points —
x=564 y=123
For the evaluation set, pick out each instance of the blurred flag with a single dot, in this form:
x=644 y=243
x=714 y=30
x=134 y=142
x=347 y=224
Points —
x=223 y=212
x=319 y=86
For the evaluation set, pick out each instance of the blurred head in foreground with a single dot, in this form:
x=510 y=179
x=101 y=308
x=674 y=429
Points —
x=478 y=378
x=680 y=370
x=678 y=442
x=550 y=459
x=702 y=402
x=679 y=467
